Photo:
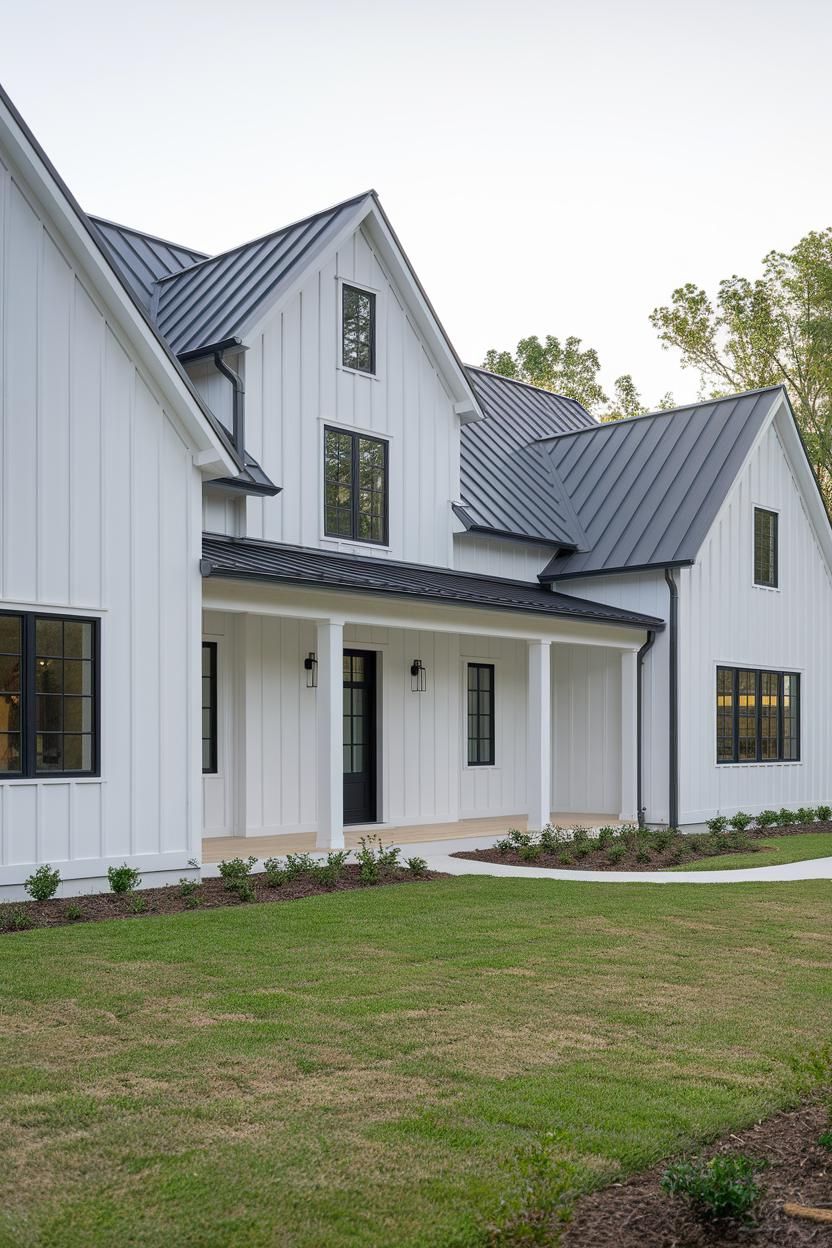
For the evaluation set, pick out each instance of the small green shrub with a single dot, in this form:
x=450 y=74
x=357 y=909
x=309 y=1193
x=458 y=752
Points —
x=616 y=853
x=375 y=861
x=138 y=904
x=43 y=882
x=275 y=872
x=529 y=853
x=504 y=846
x=567 y=858
x=629 y=836
x=551 y=839
x=299 y=865
x=717 y=825
x=724 y=1187
x=518 y=838
x=580 y=835
x=235 y=874
x=193 y=901
x=329 y=872
x=824 y=813
x=805 y=814
x=785 y=817
x=662 y=839
x=766 y=819
x=15 y=919
x=606 y=836
x=740 y=821
x=191 y=893
x=584 y=848
x=416 y=866
x=72 y=911
x=642 y=854
x=123 y=879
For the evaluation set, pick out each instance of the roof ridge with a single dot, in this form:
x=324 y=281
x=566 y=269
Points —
x=665 y=411
x=517 y=381
x=262 y=238
x=154 y=238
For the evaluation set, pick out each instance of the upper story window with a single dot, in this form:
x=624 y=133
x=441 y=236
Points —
x=358 y=329
x=757 y=716
x=765 y=548
x=355 y=486
x=48 y=695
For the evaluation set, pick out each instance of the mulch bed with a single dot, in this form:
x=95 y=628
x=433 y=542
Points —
x=638 y=1214
x=211 y=893
x=598 y=860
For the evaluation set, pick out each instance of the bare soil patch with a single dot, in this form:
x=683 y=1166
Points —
x=173 y=899
x=797 y=1169
x=640 y=854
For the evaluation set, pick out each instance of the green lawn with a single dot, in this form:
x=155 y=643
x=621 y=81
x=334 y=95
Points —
x=779 y=849
x=376 y=1068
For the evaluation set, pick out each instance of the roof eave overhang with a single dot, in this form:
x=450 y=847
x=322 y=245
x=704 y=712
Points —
x=216 y=456
x=550 y=578
x=506 y=535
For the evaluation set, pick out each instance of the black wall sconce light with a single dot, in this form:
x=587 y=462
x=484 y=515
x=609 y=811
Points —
x=311 y=665
x=418 y=676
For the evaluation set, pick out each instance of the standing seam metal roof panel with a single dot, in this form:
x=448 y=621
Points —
x=647 y=490
x=143 y=259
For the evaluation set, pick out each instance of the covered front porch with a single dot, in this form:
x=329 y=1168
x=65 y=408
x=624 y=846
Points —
x=418 y=720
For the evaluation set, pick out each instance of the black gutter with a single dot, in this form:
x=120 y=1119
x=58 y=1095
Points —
x=545 y=577
x=239 y=402
x=642 y=654
x=201 y=353
x=673 y=709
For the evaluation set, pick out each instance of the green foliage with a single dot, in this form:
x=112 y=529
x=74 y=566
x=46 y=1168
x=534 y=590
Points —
x=724 y=1187
x=551 y=839
x=566 y=858
x=138 y=903
x=580 y=835
x=123 y=879
x=766 y=819
x=72 y=911
x=825 y=1140
x=530 y=852
x=805 y=814
x=329 y=872
x=606 y=836
x=519 y=838
x=740 y=821
x=824 y=813
x=43 y=882
x=786 y=817
x=616 y=853
x=235 y=874
x=375 y=861
x=416 y=866
x=187 y=887
x=15 y=919
x=718 y=824
x=505 y=846
x=776 y=328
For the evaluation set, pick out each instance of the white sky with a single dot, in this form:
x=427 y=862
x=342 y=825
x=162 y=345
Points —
x=550 y=166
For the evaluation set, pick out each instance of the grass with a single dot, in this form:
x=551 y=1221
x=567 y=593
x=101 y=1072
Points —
x=797 y=848
x=391 y=1066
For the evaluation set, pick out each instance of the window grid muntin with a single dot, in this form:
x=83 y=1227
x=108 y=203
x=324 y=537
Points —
x=358 y=329
x=757 y=715
x=209 y=708
x=356 y=478
x=480 y=715
x=766 y=548
x=58 y=708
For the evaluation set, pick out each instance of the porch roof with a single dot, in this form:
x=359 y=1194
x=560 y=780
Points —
x=249 y=559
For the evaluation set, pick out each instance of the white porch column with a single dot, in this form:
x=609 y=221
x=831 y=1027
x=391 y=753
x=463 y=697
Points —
x=330 y=714
x=539 y=736
x=629 y=737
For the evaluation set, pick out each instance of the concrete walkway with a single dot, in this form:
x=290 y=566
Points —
x=437 y=854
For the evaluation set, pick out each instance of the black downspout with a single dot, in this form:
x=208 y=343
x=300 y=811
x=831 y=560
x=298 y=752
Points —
x=642 y=654
x=239 y=407
x=673 y=710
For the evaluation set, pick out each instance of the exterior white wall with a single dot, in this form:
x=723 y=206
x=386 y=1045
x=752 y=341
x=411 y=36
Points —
x=646 y=592
x=295 y=384
x=726 y=619
x=99 y=517
x=586 y=729
x=518 y=561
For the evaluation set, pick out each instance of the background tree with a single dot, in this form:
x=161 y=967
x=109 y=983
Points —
x=568 y=369
x=777 y=328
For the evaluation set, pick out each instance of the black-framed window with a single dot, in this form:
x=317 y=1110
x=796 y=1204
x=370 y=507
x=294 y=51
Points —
x=358 y=329
x=48 y=695
x=355 y=486
x=766 y=554
x=209 y=707
x=480 y=714
x=757 y=716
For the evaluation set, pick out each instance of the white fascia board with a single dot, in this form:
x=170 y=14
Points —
x=143 y=344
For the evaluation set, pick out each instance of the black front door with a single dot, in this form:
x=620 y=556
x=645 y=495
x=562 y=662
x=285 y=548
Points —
x=359 y=736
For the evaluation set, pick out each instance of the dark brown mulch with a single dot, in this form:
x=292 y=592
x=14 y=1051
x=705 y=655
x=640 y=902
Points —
x=638 y=1214
x=598 y=860
x=171 y=899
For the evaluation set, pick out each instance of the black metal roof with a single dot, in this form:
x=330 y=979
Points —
x=647 y=490
x=249 y=559
x=142 y=259
x=507 y=483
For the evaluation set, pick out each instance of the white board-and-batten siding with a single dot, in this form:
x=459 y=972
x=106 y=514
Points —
x=726 y=620
x=99 y=517
x=295 y=385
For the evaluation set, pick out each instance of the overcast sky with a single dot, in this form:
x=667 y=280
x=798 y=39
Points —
x=551 y=166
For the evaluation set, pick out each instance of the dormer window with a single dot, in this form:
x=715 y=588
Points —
x=765 y=548
x=355 y=486
x=358 y=329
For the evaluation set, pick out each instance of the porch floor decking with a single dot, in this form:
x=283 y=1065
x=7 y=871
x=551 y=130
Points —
x=217 y=848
